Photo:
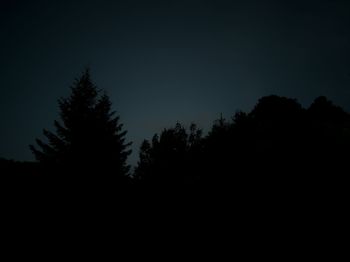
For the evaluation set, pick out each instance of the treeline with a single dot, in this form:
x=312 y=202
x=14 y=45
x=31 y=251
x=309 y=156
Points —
x=277 y=147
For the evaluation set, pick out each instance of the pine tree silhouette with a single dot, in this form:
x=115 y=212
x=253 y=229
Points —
x=89 y=142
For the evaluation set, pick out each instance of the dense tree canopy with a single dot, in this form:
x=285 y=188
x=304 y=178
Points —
x=278 y=146
x=170 y=157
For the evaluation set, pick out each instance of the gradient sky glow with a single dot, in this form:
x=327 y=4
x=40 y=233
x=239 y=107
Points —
x=166 y=61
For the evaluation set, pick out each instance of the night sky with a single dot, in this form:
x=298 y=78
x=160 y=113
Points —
x=166 y=61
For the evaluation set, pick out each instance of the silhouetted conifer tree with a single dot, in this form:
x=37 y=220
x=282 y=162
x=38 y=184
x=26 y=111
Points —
x=89 y=140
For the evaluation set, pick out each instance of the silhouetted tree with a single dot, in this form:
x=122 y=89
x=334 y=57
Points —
x=89 y=141
x=170 y=158
x=329 y=136
x=326 y=117
x=218 y=152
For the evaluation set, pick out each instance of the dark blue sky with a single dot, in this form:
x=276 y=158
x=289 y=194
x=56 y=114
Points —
x=166 y=61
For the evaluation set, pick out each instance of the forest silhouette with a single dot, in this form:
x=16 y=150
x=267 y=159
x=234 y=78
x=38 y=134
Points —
x=278 y=149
